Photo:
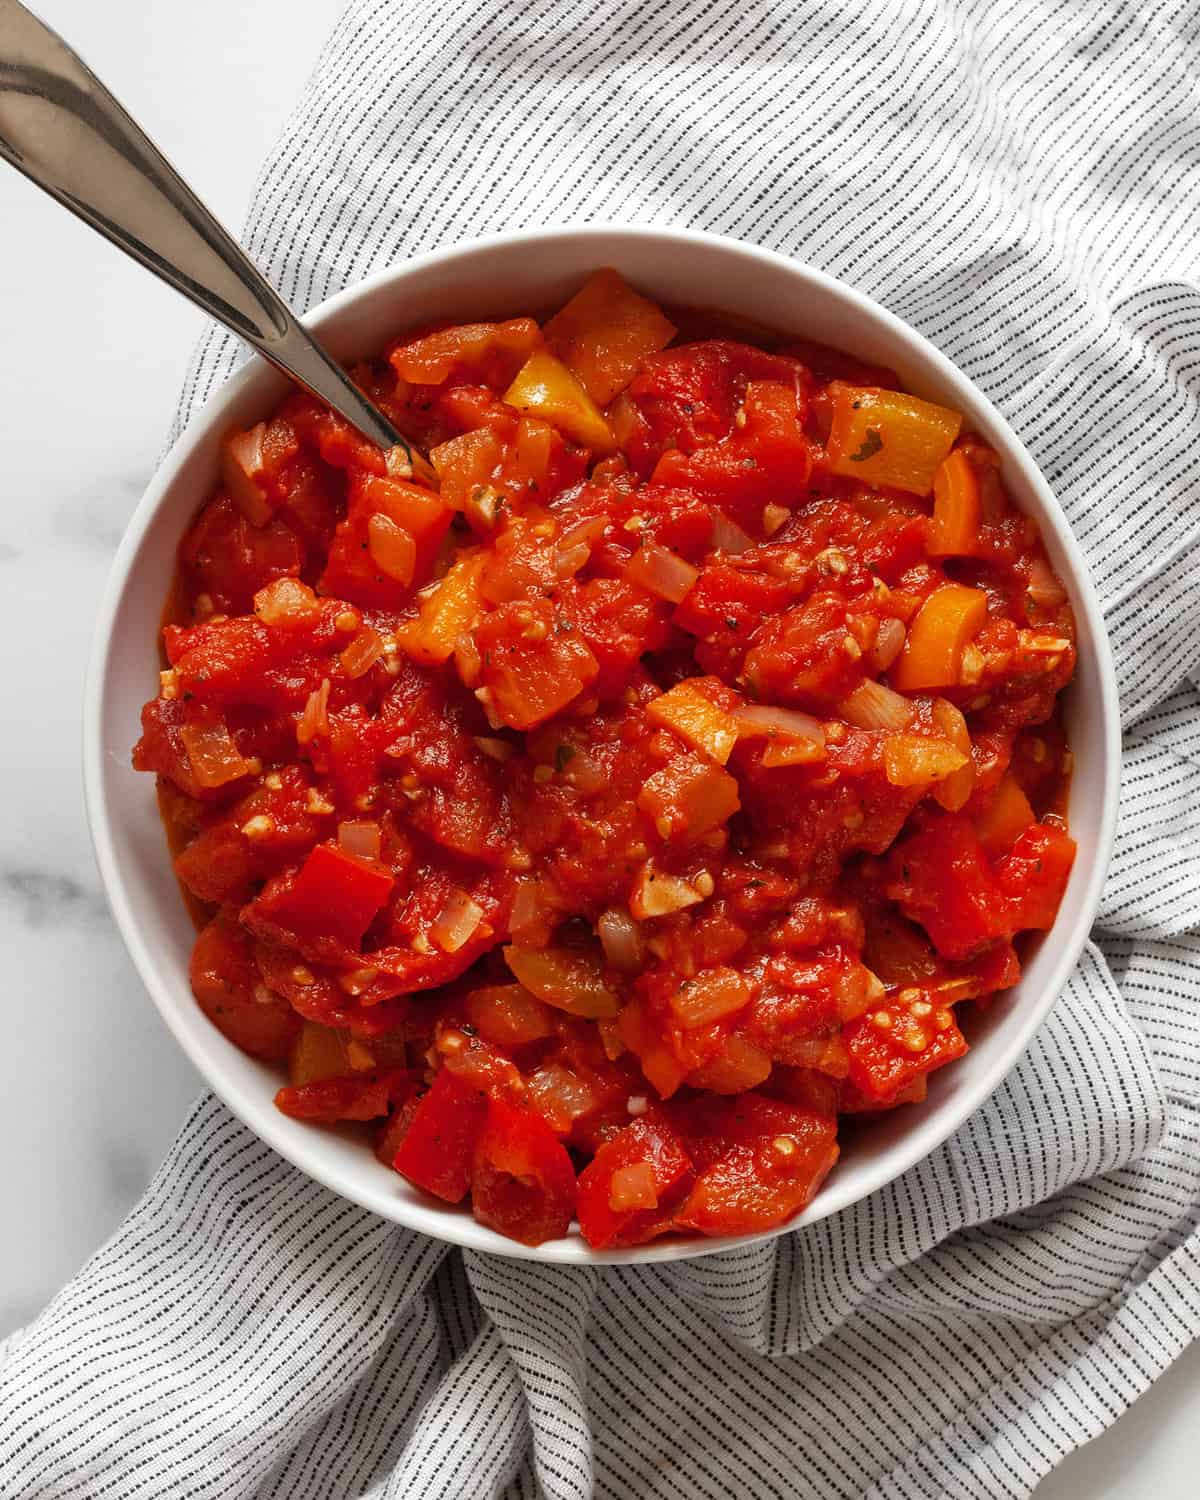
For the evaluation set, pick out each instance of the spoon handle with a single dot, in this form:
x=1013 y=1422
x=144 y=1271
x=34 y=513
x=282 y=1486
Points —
x=61 y=127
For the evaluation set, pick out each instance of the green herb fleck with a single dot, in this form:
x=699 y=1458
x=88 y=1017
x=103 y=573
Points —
x=563 y=756
x=872 y=443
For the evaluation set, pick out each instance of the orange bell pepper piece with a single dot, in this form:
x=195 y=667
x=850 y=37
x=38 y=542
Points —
x=956 y=508
x=445 y=614
x=604 y=332
x=941 y=628
x=1005 y=818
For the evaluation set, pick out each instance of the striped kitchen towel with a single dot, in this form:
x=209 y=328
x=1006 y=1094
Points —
x=1020 y=179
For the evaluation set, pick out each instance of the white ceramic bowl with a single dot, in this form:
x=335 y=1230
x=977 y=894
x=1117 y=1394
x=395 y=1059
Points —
x=502 y=277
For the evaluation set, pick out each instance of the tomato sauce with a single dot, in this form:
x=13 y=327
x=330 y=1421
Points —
x=606 y=812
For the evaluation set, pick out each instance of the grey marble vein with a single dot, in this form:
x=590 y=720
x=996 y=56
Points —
x=42 y=897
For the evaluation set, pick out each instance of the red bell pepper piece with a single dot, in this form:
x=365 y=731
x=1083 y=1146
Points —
x=436 y=1153
x=522 y=1181
x=941 y=878
x=335 y=894
x=652 y=1140
x=1033 y=876
x=356 y=1096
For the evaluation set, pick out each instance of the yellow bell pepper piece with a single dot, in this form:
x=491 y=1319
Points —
x=318 y=1052
x=544 y=387
x=696 y=719
x=604 y=332
x=448 y=611
x=889 y=437
x=1005 y=817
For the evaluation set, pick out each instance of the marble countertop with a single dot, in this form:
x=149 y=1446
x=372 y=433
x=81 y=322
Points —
x=95 y=349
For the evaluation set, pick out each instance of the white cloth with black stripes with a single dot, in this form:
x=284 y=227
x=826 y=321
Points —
x=1021 y=181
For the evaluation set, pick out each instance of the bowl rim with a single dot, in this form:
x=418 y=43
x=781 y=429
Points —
x=287 y=1137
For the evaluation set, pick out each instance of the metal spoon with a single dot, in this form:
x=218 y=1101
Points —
x=61 y=127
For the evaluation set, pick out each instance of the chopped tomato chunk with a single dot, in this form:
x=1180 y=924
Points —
x=533 y=663
x=901 y=1040
x=942 y=879
x=760 y=1161
x=232 y=995
x=649 y=1142
x=438 y=1149
x=522 y=1180
x=1033 y=876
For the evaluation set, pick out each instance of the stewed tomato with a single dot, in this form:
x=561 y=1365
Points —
x=658 y=774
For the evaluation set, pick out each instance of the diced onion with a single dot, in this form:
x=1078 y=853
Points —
x=458 y=923
x=362 y=653
x=728 y=536
x=873 y=705
x=508 y=1015
x=569 y=560
x=740 y=1065
x=657 y=894
x=610 y=1038
x=575 y=546
x=661 y=571
x=620 y=939
x=360 y=837
x=951 y=725
x=467 y=660
x=392 y=548
x=570 y=978
x=764 y=720
x=315 y=718
x=213 y=754
x=1044 y=588
x=560 y=1095
x=889 y=642
x=954 y=791
x=784 y=750
x=283 y=601
x=242 y=461
x=632 y=1187
x=826 y=1054
x=494 y=749
x=528 y=905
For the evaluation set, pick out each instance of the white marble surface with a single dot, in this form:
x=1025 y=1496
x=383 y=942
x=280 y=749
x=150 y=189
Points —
x=94 y=1088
